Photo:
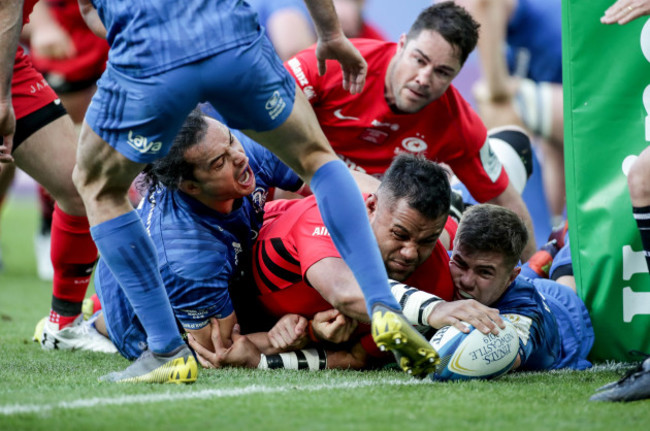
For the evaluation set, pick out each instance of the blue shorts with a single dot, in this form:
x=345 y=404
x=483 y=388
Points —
x=124 y=328
x=140 y=117
x=562 y=263
x=573 y=321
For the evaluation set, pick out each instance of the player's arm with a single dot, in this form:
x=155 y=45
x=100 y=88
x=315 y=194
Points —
x=90 y=15
x=11 y=13
x=332 y=44
x=48 y=39
x=290 y=31
x=493 y=16
x=220 y=328
x=624 y=11
x=424 y=309
x=512 y=200
x=333 y=279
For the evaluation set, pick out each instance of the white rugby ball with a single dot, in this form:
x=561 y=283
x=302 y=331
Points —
x=474 y=355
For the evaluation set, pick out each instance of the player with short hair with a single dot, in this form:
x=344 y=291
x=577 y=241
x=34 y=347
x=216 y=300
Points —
x=410 y=105
x=553 y=323
x=39 y=136
x=165 y=57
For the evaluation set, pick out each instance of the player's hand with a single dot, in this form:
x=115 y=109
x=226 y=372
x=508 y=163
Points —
x=289 y=333
x=242 y=352
x=51 y=41
x=624 y=11
x=7 y=128
x=332 y=326
x=482 y=317
x=353 y=66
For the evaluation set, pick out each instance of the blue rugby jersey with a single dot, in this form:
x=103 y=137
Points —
x=536 y=27
x=553 y=324
x=199 y=250
x=152 y=36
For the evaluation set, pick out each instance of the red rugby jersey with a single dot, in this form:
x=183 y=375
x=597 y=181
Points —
x=367 y=134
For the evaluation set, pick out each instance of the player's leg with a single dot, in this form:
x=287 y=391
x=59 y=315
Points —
x=638 y=180
x=6 y=177
x=45 y=150
x=294 y=135
x=140 y=123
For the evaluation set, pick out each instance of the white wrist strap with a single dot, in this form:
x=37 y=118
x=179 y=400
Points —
x=416 y=304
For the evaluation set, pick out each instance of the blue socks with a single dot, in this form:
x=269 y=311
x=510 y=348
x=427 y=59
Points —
x=131 y=256
x=340 y=204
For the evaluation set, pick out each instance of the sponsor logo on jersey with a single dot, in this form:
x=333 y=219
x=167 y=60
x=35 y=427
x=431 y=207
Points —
x=320 y=231
x=142 y=144
x=296 y=68
x=238 y=249
x=392 y=126
x=414 y=145
x=490 y=161
x=340 y=116
x=275 y=105
x=522 y=324
x=374 y=136
x=38 y=86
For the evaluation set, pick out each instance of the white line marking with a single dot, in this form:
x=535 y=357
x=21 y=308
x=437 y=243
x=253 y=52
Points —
x=13 y=409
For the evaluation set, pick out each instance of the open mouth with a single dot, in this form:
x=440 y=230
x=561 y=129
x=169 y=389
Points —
x=246 y=177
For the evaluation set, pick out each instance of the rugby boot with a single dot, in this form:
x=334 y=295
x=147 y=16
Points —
x=79 y=335
x=391 y=331
x=178 y=366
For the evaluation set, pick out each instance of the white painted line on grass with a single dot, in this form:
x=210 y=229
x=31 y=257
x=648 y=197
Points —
x=14 y=409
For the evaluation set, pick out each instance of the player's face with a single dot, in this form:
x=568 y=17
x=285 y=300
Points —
x=406 y=238
x=483 y=276
x=421 y=71
x=222 y=171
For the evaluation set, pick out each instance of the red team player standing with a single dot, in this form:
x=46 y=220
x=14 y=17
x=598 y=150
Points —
x=409 y=105
x=44 y=146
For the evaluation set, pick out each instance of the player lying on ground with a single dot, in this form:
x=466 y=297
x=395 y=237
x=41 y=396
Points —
x=298 y=270
x=553 y=324
x=175 y=55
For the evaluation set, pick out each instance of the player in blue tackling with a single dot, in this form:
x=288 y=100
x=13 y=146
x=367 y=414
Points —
x=553 y=323
x=165 y=57
x=203 y=209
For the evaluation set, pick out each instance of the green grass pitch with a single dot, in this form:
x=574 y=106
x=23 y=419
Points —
x=59 y=390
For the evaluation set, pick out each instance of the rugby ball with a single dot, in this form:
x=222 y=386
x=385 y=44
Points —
x=474 y=355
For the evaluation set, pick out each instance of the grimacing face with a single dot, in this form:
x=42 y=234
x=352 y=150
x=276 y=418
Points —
x=421 y=71
x=483 y=276
x=406 y=238
x=221 y=168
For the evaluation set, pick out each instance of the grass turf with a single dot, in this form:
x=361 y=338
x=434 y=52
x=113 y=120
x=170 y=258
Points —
x=59 y=390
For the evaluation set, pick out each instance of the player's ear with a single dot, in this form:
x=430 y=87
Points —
x=402 y=41
x=515 y=272
x=190 y=187
x=371 y=204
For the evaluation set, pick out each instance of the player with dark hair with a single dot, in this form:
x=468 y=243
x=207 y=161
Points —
x=39 y=136
x=298 y=271
x=553 y=323
x=410 y=105
x=203 y=210
x=167 y=56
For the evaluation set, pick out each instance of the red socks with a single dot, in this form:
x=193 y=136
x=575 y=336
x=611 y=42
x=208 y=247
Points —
x=73 y=258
